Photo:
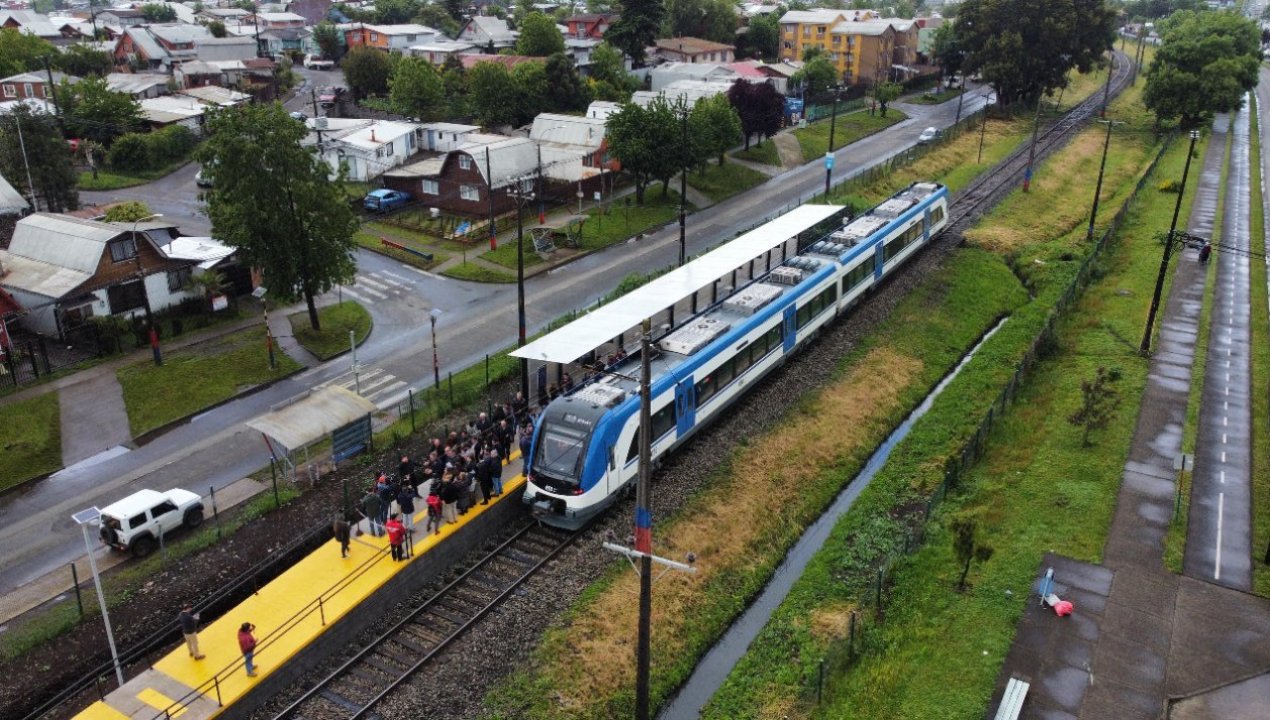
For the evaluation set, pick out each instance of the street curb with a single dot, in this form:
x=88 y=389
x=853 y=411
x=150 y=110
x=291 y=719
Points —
x=151 y=435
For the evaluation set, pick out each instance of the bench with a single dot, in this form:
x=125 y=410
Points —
x=1012 y=701
x=427 y=257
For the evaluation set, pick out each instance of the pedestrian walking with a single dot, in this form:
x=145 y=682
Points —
x=406 y=501
x=434 y=512
x=247 y=643
x=371 y=506
x=1205 y=252
x=526 y=440
x=340 y=528
x=188 y=620
x=396 y=536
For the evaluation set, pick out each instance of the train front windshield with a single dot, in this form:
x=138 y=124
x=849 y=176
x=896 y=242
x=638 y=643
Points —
x=559 y=453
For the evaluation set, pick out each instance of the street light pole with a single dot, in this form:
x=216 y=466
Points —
x=983 y=130
x=520 y=284
x=1145 y=348
x=644 y=526
x=1093 y=213
x=84 y=518
x=145 y=296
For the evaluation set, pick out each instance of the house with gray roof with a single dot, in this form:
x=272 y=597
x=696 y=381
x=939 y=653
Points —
x=486 y=31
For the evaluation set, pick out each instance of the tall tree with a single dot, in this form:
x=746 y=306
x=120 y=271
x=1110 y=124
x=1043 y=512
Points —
x=366 y=70
x=417 y=89
x=1098 y=402
x=275 y=202
x=20 y=52
x=92 y=110
x=531 y=91
x=643 y=139
x=636 y=28
x=327 y=37
x=158 y=13
x=217 y=29
x=1205 y=64
x=716 y=126
x=886 y=92
x=395 y=12
x=762 y=37
x=539 y=36
x=489 y=88
x=946 y=49
x=760 y=108
x=47 y=156
x=609 y=76
x=816 y=75
x=709 y=19
x=82 y=60
x=566 y=92
x=435 y=16
x=456 y=92
x=1024 y=48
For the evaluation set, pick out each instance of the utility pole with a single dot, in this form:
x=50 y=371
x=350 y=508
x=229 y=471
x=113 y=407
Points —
x=57 y=110
x=983 y=130
x=1031 y=149
x=316 y=126
x=1093 y=213
x=1106 y=89
x=1145 y=348
x=30 y=186
x=683 y=191
x=833 y=122
x=960 y=98
x=489 y=186
x=521 y=196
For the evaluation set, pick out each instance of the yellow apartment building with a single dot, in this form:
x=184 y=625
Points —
x=864 y=48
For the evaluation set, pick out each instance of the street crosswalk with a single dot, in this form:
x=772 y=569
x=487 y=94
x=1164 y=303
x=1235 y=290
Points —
x=377 y=286
x=373 y=383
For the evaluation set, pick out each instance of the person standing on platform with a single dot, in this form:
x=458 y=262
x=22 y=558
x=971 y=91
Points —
x=496 y=472
x=406 y=501
x=434 y=511
x=340 y=528
x=371 y=506
x=450 y=499
x=188 y=620
x=247 y=643
x=396 y=536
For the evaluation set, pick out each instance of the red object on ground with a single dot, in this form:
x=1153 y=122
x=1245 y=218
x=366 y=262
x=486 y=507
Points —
x=1064 y=608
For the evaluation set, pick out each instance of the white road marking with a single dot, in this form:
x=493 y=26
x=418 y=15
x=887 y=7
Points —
x=1223 y=456
x=392 y=274
x=1225 y=421
x=424 y=273
x=397 y=284
x=1221 y=506
x=376 y=293
x=1222 y=479
x=1223 y=438
x=368 y=280
x=353 y=294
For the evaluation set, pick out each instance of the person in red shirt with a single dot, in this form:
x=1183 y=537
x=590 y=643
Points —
x=247 y=643
x=396 y=536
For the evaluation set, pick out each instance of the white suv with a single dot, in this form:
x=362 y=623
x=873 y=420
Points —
x=136 y=523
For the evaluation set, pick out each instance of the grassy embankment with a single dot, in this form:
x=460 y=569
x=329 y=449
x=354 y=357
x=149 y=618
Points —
x=196 y=377
x=767 y=154
x=32 y=443
x=848 y=128
x=336 y=321
x=720 y=182
x=938 y=651
x=1260 y=348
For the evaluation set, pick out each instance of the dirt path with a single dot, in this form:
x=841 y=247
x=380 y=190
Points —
x=790 y=151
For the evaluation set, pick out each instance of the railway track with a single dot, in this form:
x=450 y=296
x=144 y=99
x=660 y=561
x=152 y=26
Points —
x=355 y=688
x=358 y=686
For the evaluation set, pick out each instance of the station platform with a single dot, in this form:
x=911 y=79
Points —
x=291 y=613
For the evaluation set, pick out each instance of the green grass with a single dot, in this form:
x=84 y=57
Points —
x=32 y=442
x=477 y=273
x=720 y=182
x=766 y=154
x=505 y=254
x=624 y=221
x=1260 y=361
x=197 y=377
x=929 y=98
x=118 y=179
x=336 y=322
x=375 y=244
x=848 y=128
x=356 y=190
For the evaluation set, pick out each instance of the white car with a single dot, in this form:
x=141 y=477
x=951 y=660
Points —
x=928 y=135
x=315 y=62
x=136 y=523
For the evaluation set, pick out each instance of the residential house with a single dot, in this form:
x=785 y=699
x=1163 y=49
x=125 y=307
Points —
x=694 y=50
x=671 y=72
x=907 y=43
x=64 y=270
x=213 y=49
x=33 y=105
x=690 y=90
x=230 y=17
x=390 y=37
x=442 y=137
x=488 y=32
x=580 y=51
x=864 y=48
x=284 y=40
x=168 y=110
x=216 y=95
x=574 y=150
x=138 y=85
x=313 y=11
x=184 y=13
x=279 y=20
x=472 y=180
x=589 y=26
x=602 y=109
x=11 y=201
x=30 y=85
x=439 y=50
x=367 y=148
x=122 y=17
x=158 y=46
x=41 y=26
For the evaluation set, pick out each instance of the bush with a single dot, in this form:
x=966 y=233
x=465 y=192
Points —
x=1169 y=186
x=131 y=152
x=172 y=143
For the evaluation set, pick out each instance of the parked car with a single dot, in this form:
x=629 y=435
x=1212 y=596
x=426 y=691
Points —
x=383 y=200
x=315 y=62
x=930 y=134
x=201 y=179
x=327 y=96
x=297 y=115
x=136 y=523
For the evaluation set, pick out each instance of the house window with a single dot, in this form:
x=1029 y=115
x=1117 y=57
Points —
x=465 y=162
x=10 y=90
x=374 y=37
x=470 y=192
x=73 y=317
x=126 y=296
x=178 y=279
x=430 y=187
x=123 y=249
x=29 y=89
x=388 y=149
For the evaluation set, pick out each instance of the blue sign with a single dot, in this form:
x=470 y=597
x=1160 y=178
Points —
x=793 y=105
x=828 y=161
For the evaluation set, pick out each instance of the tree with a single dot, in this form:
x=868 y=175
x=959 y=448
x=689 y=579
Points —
x=1098 y=402
x=710 y=19
x=715 y=125
x=539 y=36
x=454 y=8
x=417 y=89
x=327 y=38
x=816 y=76
x=81 y=60
x=47 y=156
x=1024 y=48
x=217 y=29
x=20 y=52
x=885 y=93
x=435 y=16
x=395 y=12
x=158 y=13
x=92 y=110
x=489 y=87
x=366 y=70
x=636 y=28
x=642 y=139
x=566 y=92
x=946 y=49
x=609 y=76
x=129 y=211
x=1205 y=64
x=531 y=87
x=967 y=547
x=760 y=108
x=275 y=202
x=762 y=37
x=454 y=77
x=131 y=152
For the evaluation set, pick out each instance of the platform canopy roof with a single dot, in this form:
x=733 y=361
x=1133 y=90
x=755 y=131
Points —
x=313 y=417
x=607 y=322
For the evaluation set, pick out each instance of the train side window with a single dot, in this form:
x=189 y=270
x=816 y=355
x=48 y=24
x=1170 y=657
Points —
x=706 y=388
x=937 y=215
x=745 y=359
x=774 y=338
x=725 y=373
x=663 y=420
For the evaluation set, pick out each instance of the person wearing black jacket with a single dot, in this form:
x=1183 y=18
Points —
x=485 y=475
x=406 y=501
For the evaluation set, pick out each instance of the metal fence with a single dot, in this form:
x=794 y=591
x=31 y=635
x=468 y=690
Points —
x=840 y=654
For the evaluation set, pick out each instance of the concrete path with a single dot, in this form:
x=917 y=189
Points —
x=93 y=417
x=788 y=148
x=1219 y=531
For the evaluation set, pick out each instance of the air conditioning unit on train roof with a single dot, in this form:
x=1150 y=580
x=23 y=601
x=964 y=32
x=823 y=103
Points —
x=695 y=335
x=752 y=299
x=599 y=395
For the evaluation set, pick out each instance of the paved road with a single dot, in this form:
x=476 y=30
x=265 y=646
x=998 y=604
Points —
x=216 y=449
x=1219 y=533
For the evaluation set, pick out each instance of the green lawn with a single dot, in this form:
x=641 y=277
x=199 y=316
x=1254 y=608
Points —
x=720 y=182
x=375 y=244
x=197 y=377
x=765 y=153
x=477 y=273
x=336 y=322
x=116 y=179
x=32 y=439
x=624 y=221
x=935 y=98
x=505 y=254
x=814 y=139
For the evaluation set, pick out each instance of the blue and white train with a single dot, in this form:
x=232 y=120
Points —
x=585 y=448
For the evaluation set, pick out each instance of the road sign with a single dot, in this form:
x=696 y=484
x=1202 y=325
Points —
x=828 y=161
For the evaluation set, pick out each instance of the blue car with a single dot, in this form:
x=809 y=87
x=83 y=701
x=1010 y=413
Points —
x=385 y=200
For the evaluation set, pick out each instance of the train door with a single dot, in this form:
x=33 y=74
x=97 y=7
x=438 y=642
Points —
x=685 y=406
x=926 y=226
x=791 y=327
x=878 y=263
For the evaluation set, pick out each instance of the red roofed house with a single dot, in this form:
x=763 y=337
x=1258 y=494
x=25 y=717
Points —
x=590 y=26
x=694 y=50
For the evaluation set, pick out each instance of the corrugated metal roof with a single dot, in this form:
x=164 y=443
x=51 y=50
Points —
x=508 y=159
x=691 y=90
x=62 y=240
x=424 y=168
x=11 y=201
x=216 y=95
x=383 y=131
x=608 y=321
x=169 y=108
x=146 y=43
x=568 y=130
x=822 y=17
x=41 y=278
x=204 y=250
x=310 y=419
x=135 y=83
x=180 y=34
